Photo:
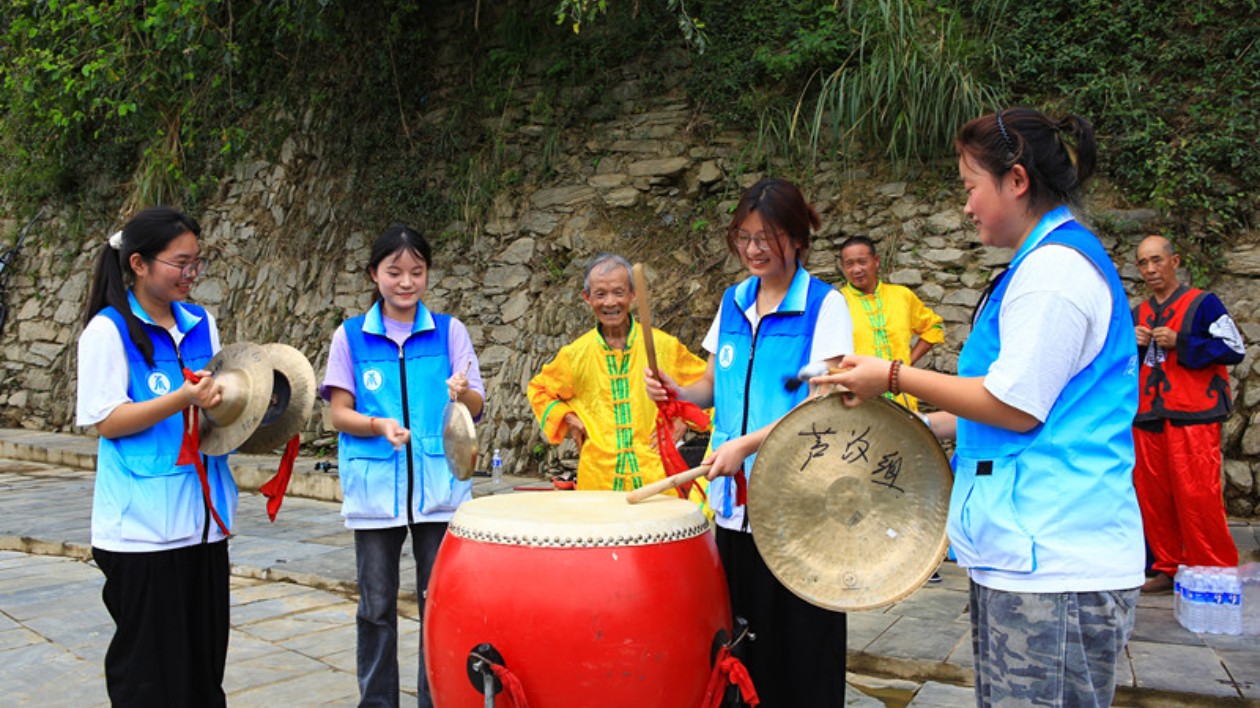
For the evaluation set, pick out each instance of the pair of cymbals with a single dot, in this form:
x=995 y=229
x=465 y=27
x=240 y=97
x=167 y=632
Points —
x=848 y=505
x=268 y=396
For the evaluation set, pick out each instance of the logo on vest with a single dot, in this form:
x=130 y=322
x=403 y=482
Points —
x=372 y=379
x=159 y=384
x=726 y=356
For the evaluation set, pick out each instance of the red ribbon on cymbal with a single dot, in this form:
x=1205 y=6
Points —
x=190 y=452
x=275 y=487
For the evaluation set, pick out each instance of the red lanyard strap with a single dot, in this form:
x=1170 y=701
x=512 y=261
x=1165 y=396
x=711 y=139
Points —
x=190 y=453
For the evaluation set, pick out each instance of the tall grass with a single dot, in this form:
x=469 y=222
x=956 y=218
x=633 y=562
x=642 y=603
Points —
x=914 y=75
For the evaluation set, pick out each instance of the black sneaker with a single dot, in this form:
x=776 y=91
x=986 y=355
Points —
x=936 y=578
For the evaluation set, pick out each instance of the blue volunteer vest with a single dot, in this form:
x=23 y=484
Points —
x=1057 y=500
x=381 y=486
x=752 y=366
x=141 y=495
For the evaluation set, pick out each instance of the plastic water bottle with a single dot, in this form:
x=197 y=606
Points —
x=1215 y=615
x=1194 y=600
x=496 y=468
x=1233 y=602
x=1249 y=577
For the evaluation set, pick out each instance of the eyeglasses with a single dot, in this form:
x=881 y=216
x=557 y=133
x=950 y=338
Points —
x=761 y=241
x=189 y=270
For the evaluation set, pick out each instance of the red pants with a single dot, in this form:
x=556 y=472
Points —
x=1178 y=481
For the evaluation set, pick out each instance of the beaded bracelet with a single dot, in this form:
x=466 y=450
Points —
x=372 y=424
x=894 y=384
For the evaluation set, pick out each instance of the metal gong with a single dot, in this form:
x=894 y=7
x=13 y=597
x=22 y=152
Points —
x=848 y=505
x=459 y=438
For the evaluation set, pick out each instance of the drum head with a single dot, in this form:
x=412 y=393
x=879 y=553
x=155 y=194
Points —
x=848 y=505
x=459 y=440
x=577 y=520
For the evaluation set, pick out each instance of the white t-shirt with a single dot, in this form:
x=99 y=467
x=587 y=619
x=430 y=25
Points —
x=833 y=333
x=103 y=363
x=1054 y=322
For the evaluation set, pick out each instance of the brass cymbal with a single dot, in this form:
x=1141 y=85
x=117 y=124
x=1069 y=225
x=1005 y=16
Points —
x=291 y=403
x=244 y=371
x=848 y=505
x=459 y=439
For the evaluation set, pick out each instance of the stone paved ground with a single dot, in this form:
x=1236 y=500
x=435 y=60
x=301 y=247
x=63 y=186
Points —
x=292 y=636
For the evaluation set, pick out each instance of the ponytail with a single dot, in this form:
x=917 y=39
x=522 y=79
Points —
x=146 y=234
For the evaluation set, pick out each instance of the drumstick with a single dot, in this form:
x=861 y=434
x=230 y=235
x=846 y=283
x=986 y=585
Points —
x=645 y=317
x=666 y=484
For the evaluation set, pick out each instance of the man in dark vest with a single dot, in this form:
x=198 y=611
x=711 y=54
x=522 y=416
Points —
x=1185 y=340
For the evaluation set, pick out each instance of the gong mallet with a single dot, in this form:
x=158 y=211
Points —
x=807 y=372
x=665 y=485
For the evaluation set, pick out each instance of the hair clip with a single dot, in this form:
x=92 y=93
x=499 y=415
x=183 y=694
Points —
x=1006 y=137
x=116 y=240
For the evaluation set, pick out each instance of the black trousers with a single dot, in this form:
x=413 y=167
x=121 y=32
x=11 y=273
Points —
x=171 y=613
x=797 y=659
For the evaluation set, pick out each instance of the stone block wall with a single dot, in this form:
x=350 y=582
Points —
x=288 y=249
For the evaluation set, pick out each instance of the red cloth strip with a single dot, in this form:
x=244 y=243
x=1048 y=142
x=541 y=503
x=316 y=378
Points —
x=190 y=453
x=275 y=487
x=511 y=685
x=666 y=413
x=728 y=670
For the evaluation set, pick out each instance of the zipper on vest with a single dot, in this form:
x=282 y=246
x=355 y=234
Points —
x=743 y=427
x=205 y=501
x=411 y=475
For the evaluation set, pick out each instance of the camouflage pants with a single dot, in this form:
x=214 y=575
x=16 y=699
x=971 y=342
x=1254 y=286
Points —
x=1048 y=649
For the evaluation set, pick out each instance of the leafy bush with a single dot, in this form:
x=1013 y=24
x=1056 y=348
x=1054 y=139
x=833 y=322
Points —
x=89 y=86
x=1171 y=89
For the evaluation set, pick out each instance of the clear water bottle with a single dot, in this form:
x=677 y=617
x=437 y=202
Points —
x=1231 y=602
x=1216 y=625
x=1212 y=589
x=1195 y=607
x=1249 y=576
x=496 y=468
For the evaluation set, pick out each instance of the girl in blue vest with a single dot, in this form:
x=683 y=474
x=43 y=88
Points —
x=383 y=371
x=768 y=326
x=164 y=557
x=1043 y=512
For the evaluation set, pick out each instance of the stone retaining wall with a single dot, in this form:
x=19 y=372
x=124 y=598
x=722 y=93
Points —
x=287 y=253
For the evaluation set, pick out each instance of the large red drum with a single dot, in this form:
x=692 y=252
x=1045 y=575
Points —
x=589 y=601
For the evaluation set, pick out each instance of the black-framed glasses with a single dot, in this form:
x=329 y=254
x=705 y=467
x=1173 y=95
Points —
x=189 y=270
x=761 y=241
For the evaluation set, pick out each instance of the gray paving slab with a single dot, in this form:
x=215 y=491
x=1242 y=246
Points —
x=865 y=627
x=1177 y=668
x=960 y=656
x=918 y=639
x=1243 y=664
x=943 y=695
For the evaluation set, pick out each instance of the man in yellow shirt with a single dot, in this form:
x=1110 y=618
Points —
x=593 y=390
x=885 y=316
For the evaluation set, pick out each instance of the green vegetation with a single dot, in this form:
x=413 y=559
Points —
x=149 y=89
x=164 y=95
x=1172 y=88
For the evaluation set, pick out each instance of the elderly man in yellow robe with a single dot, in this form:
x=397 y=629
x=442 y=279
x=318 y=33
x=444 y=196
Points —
x=593 y=391
x=885 y=316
